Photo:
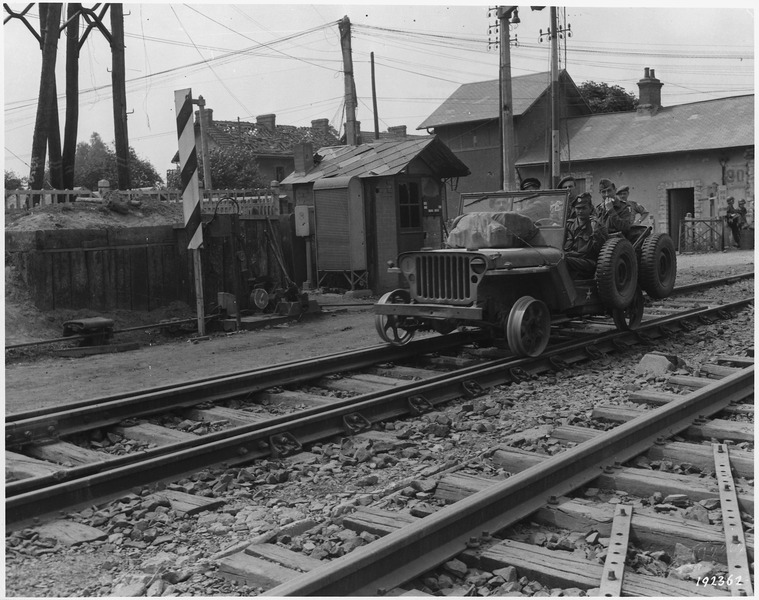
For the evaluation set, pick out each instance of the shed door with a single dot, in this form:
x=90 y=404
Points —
x=410 y=230
x=339 y=216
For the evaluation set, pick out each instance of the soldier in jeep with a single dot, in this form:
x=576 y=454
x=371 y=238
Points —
x=584 y=238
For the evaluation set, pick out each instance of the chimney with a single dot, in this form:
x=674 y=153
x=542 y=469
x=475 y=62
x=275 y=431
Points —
x=397 y=131
x=320 y=126
x=303 y=154
x=649 y=92
x=207 y=113
x=268 y=121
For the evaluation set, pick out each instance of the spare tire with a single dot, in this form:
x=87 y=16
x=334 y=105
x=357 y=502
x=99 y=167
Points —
x=658 y=266
x=617 y=273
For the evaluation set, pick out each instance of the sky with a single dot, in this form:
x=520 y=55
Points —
x=250 y=59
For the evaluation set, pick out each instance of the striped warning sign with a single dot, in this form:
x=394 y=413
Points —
x=188 y=161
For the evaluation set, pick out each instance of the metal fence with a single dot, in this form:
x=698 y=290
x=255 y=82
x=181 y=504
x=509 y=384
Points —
x=701 y=235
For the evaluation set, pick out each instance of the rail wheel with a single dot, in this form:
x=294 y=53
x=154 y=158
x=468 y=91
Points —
x=391 y=327
x=617 y=273
x=628 y=319
x=528 y=327
x=658 y=266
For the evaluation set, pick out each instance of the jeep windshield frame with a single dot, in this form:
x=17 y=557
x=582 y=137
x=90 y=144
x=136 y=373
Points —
x=545 y=207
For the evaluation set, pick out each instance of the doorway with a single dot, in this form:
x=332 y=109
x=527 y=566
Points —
x=680 y=202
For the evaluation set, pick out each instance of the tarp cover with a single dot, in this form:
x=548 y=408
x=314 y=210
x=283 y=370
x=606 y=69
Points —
x=492 y=230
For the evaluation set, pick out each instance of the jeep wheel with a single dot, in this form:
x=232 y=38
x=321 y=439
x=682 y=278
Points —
x=628 y=319
x=658 y=266
x=617 y=273
x=391 y=327
x=528 y=327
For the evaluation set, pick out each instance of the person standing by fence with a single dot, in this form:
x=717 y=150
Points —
x=733 y=219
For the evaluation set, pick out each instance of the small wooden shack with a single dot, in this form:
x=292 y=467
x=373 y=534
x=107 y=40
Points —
x=360 y=206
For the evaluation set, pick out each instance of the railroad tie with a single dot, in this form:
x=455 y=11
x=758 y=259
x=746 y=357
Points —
x=614 y=567
x=739 y=576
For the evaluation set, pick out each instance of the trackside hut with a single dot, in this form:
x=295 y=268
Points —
x=677 y=160
x=371 y=202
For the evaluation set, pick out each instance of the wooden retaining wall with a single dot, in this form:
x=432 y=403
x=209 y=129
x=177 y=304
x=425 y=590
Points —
x=144 y=268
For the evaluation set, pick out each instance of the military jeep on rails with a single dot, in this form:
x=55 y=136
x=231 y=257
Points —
x=503 y=268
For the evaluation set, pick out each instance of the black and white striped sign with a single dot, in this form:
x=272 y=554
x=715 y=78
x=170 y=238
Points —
x=188 y=161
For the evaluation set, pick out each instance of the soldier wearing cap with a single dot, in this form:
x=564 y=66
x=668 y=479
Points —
x=743 y=223
x=584 y=237
x=530 y=184
x=568 y=183
x=639 y=212
x=614 y=214
x=733 y=218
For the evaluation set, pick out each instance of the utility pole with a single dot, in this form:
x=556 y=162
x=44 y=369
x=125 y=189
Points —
x=508 y=146
x=207 y=183
x=351 y=133
x=118 y=80
x=555 y=142
x=374 y=101
x=72 y=95
x=50 y=17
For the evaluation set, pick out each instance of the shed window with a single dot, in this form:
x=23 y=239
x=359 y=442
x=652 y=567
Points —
x=409 y=201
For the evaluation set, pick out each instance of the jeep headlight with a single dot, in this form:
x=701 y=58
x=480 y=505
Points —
x=478 y=265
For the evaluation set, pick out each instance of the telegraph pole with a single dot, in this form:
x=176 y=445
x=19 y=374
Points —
x=207 y=183
x=50 y=17
x=374 y=101
x=72 y=95
x=351 y=133
x=508 y=146
x=118 y=80
x=555 y=142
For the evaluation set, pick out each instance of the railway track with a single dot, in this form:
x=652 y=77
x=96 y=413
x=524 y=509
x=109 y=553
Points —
x=34 y=499
x=252 y=436
x=480 y=529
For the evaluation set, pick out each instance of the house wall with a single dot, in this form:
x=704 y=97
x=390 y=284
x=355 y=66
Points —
x=652 y=177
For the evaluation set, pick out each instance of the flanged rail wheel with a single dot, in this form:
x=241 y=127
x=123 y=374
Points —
x=658 y=266
x=617 y=273
x=528 y=327
x=628 y=319
x=390 y=327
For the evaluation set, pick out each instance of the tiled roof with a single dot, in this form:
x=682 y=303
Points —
x=264 y=142
x=381 y=158
x=480 y=101
x=711 y=124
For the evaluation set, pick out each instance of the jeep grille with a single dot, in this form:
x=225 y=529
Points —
x=443 y=278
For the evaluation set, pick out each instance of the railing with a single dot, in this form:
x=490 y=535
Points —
x=264 y=201
x=701 y=235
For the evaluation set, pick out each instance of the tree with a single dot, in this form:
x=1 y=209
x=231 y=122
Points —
x=96 y=161
x=233 y=167
x=603 y=98
x=14 y=182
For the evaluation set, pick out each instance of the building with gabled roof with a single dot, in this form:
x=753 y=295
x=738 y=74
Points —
x=365 y=204
x=469 y=123
x=273 y=144
x=678 y=161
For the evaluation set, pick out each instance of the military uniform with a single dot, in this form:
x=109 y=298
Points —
x=583 y=242
x=618 y=217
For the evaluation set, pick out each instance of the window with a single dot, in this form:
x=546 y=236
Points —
x=409 y=202
x=280 y=174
